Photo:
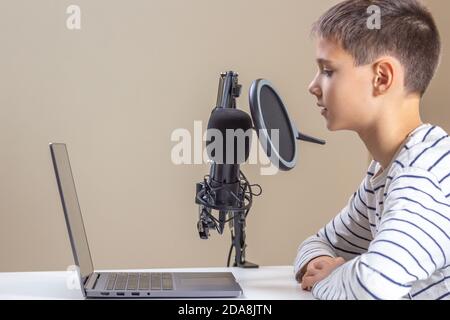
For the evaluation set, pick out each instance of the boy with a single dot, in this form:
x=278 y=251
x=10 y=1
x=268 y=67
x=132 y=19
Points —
x=392 y=240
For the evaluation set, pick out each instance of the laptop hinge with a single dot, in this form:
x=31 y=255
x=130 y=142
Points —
x=91 y=281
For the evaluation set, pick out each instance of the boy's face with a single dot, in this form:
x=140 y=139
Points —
x=344 y=92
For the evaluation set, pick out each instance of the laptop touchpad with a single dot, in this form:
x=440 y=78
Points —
x=207 y=281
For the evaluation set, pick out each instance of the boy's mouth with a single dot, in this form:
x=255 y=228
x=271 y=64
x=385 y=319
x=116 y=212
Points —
x=324 y=110
x=322 y=107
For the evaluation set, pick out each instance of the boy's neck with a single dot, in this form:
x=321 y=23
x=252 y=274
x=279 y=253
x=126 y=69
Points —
x=386 y=135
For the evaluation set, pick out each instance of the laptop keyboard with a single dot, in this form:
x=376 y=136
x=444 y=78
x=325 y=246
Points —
x=139 y=281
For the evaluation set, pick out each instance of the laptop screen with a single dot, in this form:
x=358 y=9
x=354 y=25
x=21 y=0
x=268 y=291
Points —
x=71 y=209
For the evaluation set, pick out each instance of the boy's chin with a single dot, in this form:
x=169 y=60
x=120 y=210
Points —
x=332 y=126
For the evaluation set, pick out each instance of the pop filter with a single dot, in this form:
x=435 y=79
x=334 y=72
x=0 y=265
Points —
x=275 y=129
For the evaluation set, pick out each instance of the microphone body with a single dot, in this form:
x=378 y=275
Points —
x=228 y=146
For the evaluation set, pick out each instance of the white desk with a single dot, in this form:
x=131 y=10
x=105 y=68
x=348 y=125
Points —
x=275 y=283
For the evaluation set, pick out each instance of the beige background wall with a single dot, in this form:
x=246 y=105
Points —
x=115 y=90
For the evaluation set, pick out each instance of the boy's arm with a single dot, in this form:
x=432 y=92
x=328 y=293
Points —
x=347 y=235
x=411 y=244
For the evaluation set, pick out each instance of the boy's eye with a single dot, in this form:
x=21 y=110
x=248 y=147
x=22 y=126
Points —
x=327 y=72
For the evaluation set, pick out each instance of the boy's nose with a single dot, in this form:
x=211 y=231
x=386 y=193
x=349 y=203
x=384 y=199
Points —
x=314 y=89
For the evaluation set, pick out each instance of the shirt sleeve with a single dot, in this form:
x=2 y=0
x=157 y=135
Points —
x=411 y=243
x=347 y=235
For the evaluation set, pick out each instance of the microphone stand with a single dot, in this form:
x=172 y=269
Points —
x=238 y=241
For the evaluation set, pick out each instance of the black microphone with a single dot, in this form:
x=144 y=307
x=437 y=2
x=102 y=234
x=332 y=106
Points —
x=228 y=146
x=226 y=189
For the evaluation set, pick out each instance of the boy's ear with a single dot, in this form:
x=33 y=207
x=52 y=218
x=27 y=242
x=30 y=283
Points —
x=383 y=76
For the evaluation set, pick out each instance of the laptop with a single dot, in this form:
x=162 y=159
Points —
x=128 y=285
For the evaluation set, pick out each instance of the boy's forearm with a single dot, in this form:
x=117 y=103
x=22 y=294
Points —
x=359 y=279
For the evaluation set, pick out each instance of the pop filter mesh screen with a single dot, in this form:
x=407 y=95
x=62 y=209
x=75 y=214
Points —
x=275 y=117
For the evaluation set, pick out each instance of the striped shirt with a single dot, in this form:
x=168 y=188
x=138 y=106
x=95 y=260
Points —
x=394 y=233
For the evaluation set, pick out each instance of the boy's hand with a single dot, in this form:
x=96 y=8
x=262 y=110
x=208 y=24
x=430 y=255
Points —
x=318 y=269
